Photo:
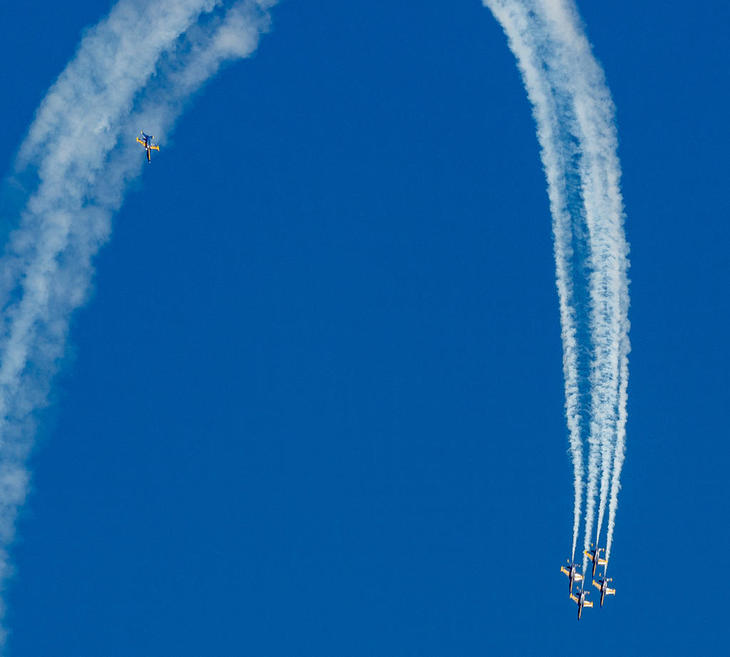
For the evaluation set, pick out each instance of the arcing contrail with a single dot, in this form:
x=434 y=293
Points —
x=136 y=68
x=575 y=120
x=515 y=21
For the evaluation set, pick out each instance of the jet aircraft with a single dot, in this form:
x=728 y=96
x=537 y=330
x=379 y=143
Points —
x=573 y=575
x=602 y=585
x=595 y=556
x=146 y=141
x=581 y=601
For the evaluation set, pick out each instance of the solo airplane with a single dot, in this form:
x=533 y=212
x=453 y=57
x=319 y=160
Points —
x=595 y=556
x=602 y=585
x=581 y=601
x=149 y=146
x=573 y=575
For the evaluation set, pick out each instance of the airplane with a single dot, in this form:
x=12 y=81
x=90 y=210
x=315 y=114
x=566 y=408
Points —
x=581 y=601
x=602 y=586
x=573 y=575
x=147 y=143
x=595 y=556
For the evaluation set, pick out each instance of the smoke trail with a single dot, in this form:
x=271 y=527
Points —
x=575 y=115
x=600 y=173
x=516 y=22
x=618 y=458
x=136 y=68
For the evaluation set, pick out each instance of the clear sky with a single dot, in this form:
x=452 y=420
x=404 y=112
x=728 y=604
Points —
x=315 y=404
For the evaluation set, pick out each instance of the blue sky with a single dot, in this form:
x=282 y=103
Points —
x=315 y=404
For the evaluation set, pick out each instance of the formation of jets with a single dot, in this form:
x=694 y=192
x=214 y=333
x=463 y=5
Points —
x=147 y=142
x=601 y=583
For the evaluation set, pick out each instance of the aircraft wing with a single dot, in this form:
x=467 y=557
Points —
x=611 y=591
x=587 y=603
x=586 y=552
x=602 y=562
x=141 y=142
x=563 y=569
x=596 y=584
x=574 y=598
x=156 y=148
x=578 y=577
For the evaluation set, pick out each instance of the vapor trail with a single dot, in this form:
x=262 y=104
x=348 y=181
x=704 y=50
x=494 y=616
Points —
x=620 y=450
x=575 y=118
x=525 y=44
x=136 y=68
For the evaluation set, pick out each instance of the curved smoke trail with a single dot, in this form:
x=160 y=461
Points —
x=136 y=68
x=515 y=21
x=575 y=120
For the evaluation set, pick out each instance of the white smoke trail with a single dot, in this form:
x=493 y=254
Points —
x=592 y=124
x=566 y=87
x=516 y=23
x=620 y=451
x=136 y=68
x=600 y=173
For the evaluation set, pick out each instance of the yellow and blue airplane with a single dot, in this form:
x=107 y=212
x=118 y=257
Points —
x=602 y=585
x=595 y=556
x=581 y=601
x=573 y=575
x=147 y=143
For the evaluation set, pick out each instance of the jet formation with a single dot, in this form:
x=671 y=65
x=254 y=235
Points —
x=601 y=583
